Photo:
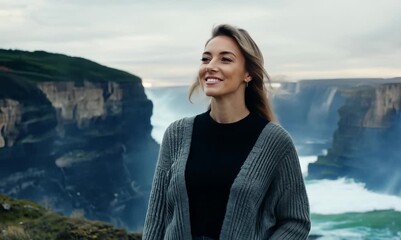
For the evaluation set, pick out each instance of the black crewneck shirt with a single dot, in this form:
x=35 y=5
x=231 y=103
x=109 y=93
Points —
x=216 y=155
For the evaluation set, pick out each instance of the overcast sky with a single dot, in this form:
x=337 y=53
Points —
x=162 y=41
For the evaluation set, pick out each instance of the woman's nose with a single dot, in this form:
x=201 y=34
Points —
x=211 y=66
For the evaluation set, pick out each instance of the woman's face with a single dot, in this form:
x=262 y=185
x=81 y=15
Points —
x=222 y=73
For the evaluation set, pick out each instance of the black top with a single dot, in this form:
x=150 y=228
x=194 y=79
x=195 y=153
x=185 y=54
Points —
x=216 y=155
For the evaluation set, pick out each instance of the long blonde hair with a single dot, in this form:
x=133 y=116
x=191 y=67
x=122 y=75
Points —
x=255 y=93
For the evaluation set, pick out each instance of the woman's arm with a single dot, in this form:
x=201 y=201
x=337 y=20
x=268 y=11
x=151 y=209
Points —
x=154 y=226
x=292 y=210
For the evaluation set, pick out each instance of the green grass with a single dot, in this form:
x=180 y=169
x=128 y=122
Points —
x=22 y=218
x=42 y=66
x=20 y=210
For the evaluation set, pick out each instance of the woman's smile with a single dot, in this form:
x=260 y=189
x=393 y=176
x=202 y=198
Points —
x=211 y=81
x=222 y=72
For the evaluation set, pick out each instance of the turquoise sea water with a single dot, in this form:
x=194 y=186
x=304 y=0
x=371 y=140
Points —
x=377 y=224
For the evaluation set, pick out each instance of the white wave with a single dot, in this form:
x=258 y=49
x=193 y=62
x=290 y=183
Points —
x=345 y=195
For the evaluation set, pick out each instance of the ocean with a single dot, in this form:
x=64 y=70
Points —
x=341 y=209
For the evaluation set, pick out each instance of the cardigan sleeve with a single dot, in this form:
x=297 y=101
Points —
x=154 y=227
x=292 y=210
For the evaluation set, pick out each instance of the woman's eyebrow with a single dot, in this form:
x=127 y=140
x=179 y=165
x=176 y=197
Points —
x=227 y=52
x=221 y=53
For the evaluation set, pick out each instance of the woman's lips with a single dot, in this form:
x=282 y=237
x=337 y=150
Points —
x=212 y=80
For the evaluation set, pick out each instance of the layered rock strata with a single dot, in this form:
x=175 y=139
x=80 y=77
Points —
x=77 y=145
x=366 y=144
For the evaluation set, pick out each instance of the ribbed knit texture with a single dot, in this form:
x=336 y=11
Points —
x=267 y=199
x=218 y=150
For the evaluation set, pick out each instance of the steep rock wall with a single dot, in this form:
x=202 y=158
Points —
x=10 y=116
x=308 y=110
x=75 y=145
x=366 y=144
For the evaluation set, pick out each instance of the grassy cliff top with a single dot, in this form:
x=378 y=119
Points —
x=44 y=66
x=22 y=219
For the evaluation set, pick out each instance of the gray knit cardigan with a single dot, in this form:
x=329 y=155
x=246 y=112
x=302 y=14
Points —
x=267 y=200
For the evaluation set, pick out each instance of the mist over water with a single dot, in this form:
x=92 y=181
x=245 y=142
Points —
x=304 y=161
x=170 y=104
x=340 y=209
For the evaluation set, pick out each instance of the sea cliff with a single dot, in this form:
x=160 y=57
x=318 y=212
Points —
x=75 y=135
x=366 y=143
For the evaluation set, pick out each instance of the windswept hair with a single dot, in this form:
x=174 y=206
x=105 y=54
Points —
x=256 y=93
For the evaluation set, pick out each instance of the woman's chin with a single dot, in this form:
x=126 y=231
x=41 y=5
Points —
x=211 y=93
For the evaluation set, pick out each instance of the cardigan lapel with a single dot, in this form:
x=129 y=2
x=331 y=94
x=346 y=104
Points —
x=184 y=153
x=240 y=187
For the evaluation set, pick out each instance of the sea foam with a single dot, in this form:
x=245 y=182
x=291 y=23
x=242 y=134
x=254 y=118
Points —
x=345 y=195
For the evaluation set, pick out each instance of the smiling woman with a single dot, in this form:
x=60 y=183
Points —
x=222 y=73
x=230 y=172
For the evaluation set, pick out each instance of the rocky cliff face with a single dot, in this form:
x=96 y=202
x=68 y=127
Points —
x=77 y=145
x=308 y=110
x=10 y=115
x=366 y=144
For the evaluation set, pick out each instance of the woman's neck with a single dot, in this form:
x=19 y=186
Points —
x=227 y=112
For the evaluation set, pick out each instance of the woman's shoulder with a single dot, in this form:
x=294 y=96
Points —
x=276 y=133
x=180 y=126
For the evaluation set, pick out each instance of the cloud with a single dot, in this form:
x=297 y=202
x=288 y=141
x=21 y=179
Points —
x=163 y=40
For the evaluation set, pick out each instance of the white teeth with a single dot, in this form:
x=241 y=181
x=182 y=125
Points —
x=212 y=80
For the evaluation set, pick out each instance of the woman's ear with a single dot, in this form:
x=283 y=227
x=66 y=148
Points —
x=248 y=77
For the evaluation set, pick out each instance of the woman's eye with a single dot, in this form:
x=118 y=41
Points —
x=204 y=59
x=226 y=60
